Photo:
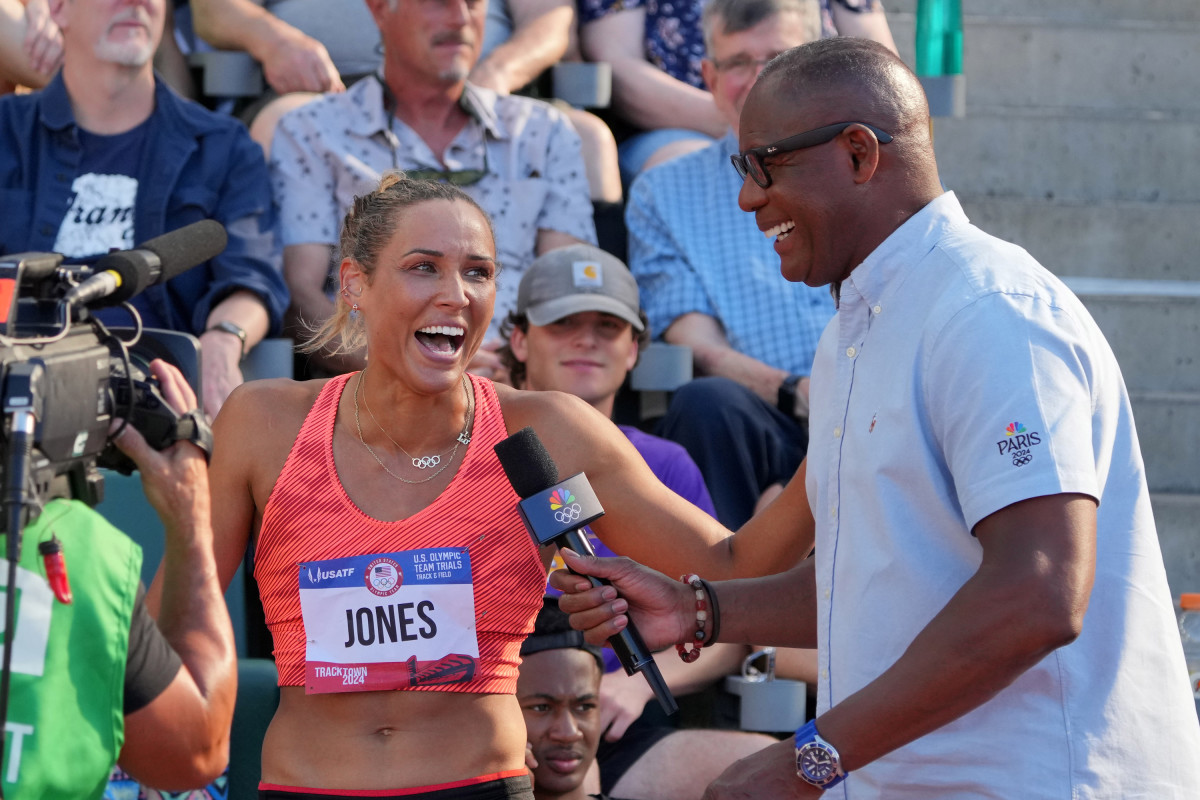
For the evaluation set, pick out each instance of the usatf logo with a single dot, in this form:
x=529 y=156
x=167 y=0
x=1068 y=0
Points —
x=563 y=504
x=1018 y=443
x=384 y=577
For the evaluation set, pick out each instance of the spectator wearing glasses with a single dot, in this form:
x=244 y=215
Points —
x=656 y=50
x=710 y=281
x=518 y=158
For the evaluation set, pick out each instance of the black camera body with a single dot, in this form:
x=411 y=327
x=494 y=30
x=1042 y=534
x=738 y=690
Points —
x=75 y=383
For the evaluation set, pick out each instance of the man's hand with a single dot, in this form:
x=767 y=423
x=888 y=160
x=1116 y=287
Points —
x=487 y=75
x=664 y=610
x=622 y=700
x=175 y=480
x=43 y=41
x=297 y=62
x=771 y=772
x=180 y=740
x=220 y=354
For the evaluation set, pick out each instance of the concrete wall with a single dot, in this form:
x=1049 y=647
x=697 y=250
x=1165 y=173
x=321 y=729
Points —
x=1081 y=143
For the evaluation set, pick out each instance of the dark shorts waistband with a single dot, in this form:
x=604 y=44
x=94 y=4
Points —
x=511 y=785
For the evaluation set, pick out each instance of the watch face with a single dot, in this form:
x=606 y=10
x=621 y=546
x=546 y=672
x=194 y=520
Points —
x=816 y=763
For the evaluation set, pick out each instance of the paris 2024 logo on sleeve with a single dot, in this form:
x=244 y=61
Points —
x=1019 y=443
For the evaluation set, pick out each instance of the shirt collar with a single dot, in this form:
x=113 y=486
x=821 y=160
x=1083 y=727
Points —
x=56 y=105
x=372 y=101
x=910 y=242
x=186 y=119
x=480 y=103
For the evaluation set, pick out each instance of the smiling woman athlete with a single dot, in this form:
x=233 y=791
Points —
x=397 y=579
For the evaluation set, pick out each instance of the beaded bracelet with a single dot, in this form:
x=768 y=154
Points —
x=716 y=613
x=690 y=651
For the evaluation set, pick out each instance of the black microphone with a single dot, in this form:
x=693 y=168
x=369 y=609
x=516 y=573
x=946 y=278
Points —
x=556 y=512
x=121 y=275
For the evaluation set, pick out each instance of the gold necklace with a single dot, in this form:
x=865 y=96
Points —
x=425 y=462
x=463 y=438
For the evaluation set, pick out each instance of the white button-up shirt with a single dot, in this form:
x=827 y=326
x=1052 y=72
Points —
x=960 y=377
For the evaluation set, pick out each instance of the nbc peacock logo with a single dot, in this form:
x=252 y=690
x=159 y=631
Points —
x=1018 y=442
x=564 y=506
x=1014 y=428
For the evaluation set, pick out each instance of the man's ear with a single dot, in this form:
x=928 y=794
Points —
x=863 y=149
x=518 y=344
x=634 y=352
x=377 y=9
x=708 y=70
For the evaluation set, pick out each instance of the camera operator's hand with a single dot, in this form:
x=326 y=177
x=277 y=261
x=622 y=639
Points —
x=180 y=740
x=175 y=480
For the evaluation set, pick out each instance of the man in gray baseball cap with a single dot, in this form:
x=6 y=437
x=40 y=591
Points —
x=578 y=278
x=578 y=326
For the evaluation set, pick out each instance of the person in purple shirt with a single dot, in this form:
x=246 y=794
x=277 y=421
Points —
x=577 y=328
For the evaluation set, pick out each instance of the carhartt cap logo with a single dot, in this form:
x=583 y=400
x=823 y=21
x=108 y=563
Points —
x=588 y=273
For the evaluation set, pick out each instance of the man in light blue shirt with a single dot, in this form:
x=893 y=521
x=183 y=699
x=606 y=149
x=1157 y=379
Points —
x=710 y=280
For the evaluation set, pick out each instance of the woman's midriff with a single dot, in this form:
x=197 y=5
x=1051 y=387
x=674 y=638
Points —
x=390 y=740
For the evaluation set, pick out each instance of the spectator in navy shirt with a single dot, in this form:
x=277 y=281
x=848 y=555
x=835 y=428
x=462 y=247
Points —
x=106 y=157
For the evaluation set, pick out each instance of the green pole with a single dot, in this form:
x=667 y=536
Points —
x=939 y=56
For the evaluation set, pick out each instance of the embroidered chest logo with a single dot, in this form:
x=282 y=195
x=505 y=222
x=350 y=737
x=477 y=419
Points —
x=1019 y=443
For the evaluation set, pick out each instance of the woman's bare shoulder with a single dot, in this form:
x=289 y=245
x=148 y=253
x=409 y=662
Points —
x=577 y=436
x=266 y=407
x=541 y=409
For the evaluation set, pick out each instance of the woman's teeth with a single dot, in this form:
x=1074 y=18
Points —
x=445 y=330
x=442 y=338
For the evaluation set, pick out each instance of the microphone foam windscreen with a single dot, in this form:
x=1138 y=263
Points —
x=529 y=468
x=182 y=249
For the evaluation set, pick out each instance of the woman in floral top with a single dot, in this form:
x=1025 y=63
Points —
x=655 y=48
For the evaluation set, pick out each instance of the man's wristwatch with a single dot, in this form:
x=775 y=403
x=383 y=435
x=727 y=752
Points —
x=817 y=761
x=785 y=401
x=226 y=326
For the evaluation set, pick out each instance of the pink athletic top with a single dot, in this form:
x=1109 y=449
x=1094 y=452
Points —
x=309 y=517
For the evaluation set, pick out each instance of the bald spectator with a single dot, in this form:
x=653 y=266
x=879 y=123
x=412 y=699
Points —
x=988 y=581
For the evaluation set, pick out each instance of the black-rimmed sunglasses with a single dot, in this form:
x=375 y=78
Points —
x=752 y=162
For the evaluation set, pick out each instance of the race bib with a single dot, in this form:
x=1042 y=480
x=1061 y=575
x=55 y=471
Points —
x=389 y=621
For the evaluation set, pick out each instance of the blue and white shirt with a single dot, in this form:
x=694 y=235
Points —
x=693 y=250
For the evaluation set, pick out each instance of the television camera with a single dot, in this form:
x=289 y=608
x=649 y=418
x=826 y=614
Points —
x=64 y=376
